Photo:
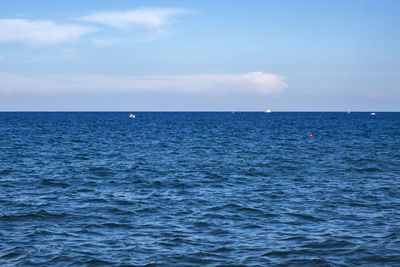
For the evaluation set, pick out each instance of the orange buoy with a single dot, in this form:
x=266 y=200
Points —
x=310 y=135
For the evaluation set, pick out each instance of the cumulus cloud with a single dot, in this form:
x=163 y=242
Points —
x=142 y=17
x=38 y=32
x=264 y=82
x=248 y=83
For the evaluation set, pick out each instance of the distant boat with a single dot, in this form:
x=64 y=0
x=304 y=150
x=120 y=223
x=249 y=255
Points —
x=348 y=111
x=373 y=114
x=131 y=116
x=268 y=111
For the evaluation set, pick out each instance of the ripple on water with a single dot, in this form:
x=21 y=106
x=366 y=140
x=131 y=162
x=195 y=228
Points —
x=184 y=189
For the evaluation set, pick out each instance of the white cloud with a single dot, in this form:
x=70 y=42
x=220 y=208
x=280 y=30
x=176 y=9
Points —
x=38 y=32
x=264 y=82
x=143 y=17
x=258 y=83
x=107 y=42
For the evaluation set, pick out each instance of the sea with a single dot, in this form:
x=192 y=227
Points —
x=199 y=189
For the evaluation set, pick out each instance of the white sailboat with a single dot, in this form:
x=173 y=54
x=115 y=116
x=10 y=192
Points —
x=268 y=111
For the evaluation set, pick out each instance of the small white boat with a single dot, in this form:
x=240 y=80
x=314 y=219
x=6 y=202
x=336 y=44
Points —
x=131 y=116
x=268 y=111
x=373 y=114
x=348 y=111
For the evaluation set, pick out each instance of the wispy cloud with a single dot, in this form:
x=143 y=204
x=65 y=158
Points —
x=46 y=32
x=102 y=42
x=152 y=18
x=39 y=32
x=254 y=83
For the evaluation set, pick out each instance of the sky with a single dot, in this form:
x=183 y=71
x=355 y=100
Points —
x=125 y=55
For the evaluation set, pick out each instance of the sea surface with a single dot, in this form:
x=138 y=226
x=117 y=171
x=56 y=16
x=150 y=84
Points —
x=199 y=189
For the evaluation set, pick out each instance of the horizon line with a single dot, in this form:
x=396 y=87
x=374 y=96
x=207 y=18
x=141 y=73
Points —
x=236 y=111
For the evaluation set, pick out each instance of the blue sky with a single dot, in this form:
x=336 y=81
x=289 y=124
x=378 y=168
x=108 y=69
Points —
x=200 y=55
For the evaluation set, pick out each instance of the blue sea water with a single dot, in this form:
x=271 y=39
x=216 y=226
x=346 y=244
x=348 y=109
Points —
x=201 y=188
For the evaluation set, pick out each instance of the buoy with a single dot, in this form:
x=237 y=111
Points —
x=310 y=135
